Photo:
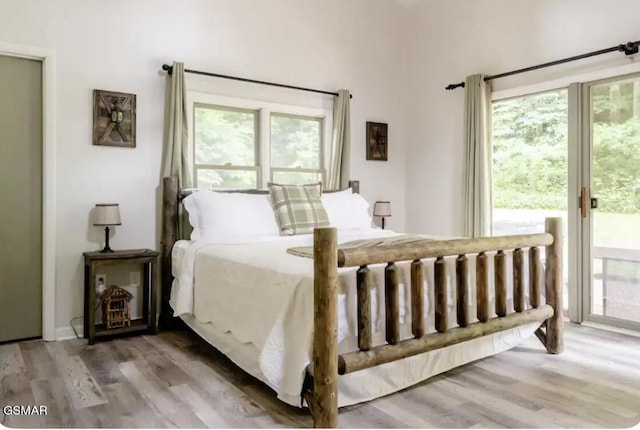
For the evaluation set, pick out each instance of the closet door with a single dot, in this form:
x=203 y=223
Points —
x=20 y=198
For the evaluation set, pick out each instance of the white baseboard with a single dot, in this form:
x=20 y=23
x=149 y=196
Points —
x=65 y=333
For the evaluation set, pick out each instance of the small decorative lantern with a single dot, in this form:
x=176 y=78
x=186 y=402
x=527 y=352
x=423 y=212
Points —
x=115 y=307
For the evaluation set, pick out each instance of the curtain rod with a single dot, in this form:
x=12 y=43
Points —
x=628 y=48
x=169 y=70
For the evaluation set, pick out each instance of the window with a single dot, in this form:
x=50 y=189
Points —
x=295 y=149
x=530 y=156
x=226 y=147
x=241 y=144
x=530 y=165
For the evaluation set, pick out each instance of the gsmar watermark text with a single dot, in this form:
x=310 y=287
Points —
x=24 y=410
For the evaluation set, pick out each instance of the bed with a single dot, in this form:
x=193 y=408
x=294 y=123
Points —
x=332 y=325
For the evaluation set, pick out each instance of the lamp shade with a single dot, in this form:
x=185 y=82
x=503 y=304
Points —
x=382 y=209
x=107 y=214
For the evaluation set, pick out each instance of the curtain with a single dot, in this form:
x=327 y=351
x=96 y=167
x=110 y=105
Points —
x=477 y=137
x=339 y=167
x=177 y=159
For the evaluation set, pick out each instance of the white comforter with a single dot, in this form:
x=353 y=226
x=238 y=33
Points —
x=264 y=296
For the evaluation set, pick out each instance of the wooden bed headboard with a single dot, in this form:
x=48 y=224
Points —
x=172 y=197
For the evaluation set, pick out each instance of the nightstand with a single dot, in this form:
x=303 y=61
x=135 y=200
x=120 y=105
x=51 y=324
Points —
x=93 y=262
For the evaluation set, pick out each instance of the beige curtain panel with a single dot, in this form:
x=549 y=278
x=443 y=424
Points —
x=178 y=162
x=177 y=159
x=477 y=137
x=339 y=165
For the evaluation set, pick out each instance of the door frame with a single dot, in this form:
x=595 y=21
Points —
x=47 y=58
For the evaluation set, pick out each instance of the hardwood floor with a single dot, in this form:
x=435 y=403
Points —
x=175 y=379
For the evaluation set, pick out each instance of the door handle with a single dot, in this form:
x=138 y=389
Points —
x=594 y=203
x=584 y=202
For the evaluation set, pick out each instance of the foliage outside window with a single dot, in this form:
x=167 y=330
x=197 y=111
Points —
x=616 y=146
x=530 y=162
x=295 y=149
x=228 y=148
x=530 y=150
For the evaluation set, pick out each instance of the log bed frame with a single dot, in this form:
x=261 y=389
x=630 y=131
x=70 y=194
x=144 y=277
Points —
x=328 y=364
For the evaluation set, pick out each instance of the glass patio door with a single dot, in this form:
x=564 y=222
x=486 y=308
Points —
x=610 y=202
x=530 y=171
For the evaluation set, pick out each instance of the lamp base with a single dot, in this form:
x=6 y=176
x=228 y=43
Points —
x=383 y=223
x=106 y=248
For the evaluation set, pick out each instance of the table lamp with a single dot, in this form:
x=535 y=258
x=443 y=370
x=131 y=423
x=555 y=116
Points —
x=382 y=210
x=107 y=214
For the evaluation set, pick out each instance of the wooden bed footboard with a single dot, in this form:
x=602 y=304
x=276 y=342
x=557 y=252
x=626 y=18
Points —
x=328 y=364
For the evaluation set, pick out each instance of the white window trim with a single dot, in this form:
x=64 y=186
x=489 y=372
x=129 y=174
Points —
x=264 y=111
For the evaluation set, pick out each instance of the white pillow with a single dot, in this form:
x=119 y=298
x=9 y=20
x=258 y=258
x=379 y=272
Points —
x=220 y=216
x=347 y=211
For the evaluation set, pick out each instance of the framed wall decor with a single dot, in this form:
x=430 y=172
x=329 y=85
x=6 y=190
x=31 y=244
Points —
x=377 y=133
x=114 y=119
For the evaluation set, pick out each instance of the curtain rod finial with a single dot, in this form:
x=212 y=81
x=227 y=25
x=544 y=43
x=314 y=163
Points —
x=454 y=86
x=167 y=68
x=629 y=48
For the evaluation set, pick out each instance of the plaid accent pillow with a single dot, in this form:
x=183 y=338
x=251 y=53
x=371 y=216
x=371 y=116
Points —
x=298 y=208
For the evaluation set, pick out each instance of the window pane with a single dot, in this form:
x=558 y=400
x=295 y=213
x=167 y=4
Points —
x=615 y=181
x=296 y=178
x=227 y=179
x=530 y=171
x=530 y=166
x=225 y=136
x=295 y=141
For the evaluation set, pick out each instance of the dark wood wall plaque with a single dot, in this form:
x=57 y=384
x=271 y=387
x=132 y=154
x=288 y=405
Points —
x=114 y=119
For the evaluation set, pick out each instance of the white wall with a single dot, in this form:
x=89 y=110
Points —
x=120 y=44
x=455 y=38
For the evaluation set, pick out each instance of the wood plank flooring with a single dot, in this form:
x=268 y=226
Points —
x=175 y=379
